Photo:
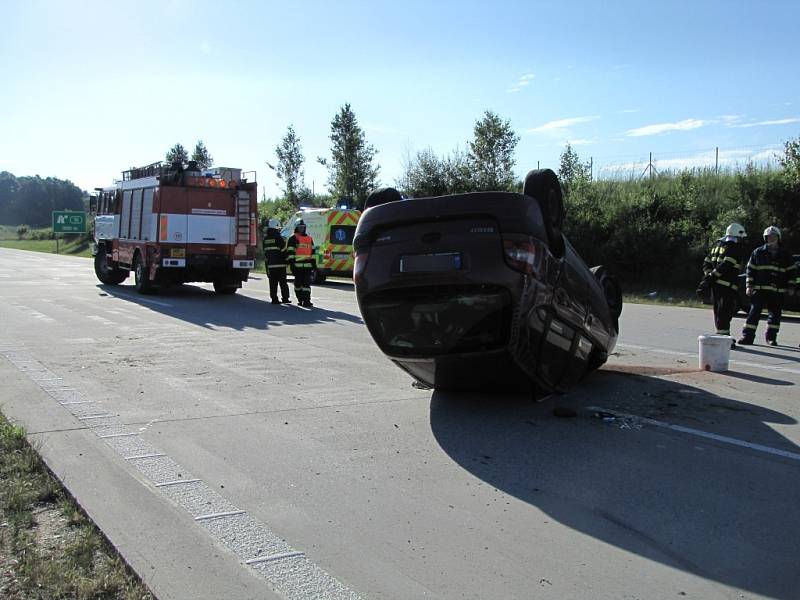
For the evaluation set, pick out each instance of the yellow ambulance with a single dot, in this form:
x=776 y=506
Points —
x=332 y=230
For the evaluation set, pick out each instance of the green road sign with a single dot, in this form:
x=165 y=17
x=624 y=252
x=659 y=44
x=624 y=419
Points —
x=67 y=221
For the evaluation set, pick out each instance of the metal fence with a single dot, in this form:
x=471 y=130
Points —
x=716 y=159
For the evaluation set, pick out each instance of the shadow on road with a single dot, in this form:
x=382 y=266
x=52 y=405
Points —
x=722 y=512
x=207 y=309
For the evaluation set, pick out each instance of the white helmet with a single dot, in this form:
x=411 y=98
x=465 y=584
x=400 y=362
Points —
x=735 y=230
x=274 y=224
x=770 y=230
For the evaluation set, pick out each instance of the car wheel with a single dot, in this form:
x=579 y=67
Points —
x=140 y=278
x=105 y=272
x=543 y=186
x=611 y=290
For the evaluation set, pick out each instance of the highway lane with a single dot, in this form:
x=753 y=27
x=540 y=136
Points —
x=371 y=488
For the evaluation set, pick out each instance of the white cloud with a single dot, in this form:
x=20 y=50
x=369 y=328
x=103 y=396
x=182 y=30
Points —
x=524 y=80
x=773 y=122
x=628 y=111
x=562 y=124
x=730 y=119
x=580 y=142
x=658 y=128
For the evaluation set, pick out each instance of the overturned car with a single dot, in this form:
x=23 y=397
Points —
x=482 y=289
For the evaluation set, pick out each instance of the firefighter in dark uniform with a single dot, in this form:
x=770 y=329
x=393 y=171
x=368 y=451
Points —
x=273 y=245
x=300 y=254
x=721 y=269
x=768 y=273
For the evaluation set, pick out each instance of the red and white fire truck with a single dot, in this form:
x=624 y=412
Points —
x=173 y=224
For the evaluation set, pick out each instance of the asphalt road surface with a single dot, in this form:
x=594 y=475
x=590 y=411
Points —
x=234 y=449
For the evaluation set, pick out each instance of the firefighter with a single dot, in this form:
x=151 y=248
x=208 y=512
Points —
x=768 y=272
x=721 y=270
x=275 y=262
x=300 y=254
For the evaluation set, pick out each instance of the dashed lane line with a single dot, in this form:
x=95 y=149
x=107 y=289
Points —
x=289 y=571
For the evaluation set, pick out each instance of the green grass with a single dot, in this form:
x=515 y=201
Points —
x=38 y=240
x=654 y=294
x=53 y=550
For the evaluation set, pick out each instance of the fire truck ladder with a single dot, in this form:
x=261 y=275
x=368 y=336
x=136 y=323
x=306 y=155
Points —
x=243 y=218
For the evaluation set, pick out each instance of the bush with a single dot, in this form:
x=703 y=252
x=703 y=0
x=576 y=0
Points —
x=22 y=231
x=659 y=230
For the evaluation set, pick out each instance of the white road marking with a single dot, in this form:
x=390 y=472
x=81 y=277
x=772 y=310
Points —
x=240 y=532
x=177 y=482
x=141 y=456
x=219 y=515
x=263 y=559
x=694 y=355
x=703 y=434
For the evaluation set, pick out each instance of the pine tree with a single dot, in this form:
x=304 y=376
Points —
x=491 y=153
x=201 y=156
x=290 y=165
x=177 y=154
x=351 y=173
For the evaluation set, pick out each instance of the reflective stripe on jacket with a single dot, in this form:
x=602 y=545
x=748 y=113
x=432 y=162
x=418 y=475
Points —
x=273 y=245
x=300 y=250
x=768 y=271
x=724 y=263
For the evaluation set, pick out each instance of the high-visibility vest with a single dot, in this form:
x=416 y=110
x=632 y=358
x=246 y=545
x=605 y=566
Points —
x=305 y=248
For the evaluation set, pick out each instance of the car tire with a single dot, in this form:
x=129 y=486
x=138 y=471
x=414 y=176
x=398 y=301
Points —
x=543 y=186
x=105 y=272
x=612 y=291
x=141 y=281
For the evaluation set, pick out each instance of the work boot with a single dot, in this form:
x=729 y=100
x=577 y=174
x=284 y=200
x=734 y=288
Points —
x=275 y=301
x=772 y=342
x=286 y=301
x=745 y=341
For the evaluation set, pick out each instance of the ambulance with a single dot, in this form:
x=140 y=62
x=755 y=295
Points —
x=332 y=230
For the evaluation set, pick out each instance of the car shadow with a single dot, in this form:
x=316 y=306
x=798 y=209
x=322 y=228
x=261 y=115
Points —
x=208 y=309
x=719 y=511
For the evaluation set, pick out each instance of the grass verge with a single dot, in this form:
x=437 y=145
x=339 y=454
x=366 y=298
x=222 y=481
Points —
x=48 y=547
x=68 y=246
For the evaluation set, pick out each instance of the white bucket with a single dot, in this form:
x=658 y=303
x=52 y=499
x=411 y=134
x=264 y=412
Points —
x=715 y=352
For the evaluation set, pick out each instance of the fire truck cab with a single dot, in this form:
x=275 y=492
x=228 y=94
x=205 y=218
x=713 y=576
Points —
x=170 y=225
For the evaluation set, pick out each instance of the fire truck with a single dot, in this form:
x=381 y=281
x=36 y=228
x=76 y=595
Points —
x=172 y=224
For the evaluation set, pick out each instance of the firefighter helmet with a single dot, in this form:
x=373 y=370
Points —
x=300 y=226
x=735 y=230
x=770 y=230
x=274 y=224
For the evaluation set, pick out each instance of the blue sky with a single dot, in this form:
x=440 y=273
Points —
x=92 y=88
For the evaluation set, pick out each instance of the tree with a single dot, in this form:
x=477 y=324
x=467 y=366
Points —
x=351 y=173
x=177 y=154
x=290 y=165
x=201 y=155
x=429 y=175
x=491 y=153
x=571 y=171
x=790 y=161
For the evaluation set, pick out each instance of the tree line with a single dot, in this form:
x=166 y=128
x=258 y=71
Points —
x=32 y=200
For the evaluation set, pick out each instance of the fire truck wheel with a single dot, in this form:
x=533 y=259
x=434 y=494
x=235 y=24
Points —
x=143 y=284
x=105 y=272
x=224 y=287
